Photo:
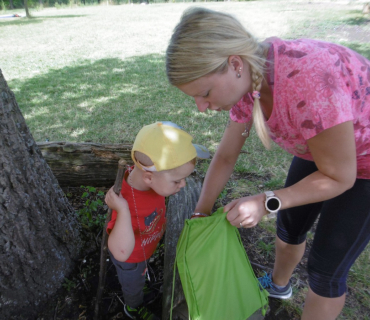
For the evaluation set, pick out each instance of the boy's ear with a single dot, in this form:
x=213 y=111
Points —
x=148 y=177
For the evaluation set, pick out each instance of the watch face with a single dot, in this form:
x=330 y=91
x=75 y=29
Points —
x=273 y=204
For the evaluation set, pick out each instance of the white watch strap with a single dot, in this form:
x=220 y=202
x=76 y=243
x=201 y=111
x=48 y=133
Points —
x=269 y=194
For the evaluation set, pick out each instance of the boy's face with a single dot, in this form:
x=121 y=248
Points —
x=170 y=182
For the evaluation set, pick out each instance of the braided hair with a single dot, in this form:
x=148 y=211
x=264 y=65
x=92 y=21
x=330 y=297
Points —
x=201 y=44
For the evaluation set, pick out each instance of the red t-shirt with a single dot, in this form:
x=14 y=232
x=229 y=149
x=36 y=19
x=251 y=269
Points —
x=151 y=212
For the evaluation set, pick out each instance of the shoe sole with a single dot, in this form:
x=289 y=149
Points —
x=282 y=297
x=127 y=314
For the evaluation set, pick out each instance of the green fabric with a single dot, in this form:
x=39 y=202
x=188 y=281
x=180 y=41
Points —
x=215 y=272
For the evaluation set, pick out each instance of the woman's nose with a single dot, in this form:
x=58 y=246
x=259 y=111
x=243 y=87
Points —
x=202 y=105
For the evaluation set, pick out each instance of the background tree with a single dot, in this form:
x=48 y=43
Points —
x=26 y=8
x=39 y=237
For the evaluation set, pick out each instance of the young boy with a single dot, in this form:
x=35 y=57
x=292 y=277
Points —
x=163 y=156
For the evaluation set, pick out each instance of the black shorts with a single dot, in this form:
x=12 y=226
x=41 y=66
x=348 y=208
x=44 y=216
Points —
x=342 y=232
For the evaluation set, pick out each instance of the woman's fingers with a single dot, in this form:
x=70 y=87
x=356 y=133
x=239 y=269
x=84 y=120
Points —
x=245 y=212
x=230 y=205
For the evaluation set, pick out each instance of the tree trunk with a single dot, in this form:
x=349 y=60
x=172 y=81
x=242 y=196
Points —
x=11 y=5
x=26 y=8
x=88 y=164
x=39 y=235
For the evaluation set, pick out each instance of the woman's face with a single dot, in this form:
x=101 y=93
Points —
x=219 y=91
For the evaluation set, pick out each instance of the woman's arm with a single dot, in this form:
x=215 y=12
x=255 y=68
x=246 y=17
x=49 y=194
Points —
x=221 y=166
x=121 y=241
x=334 y=153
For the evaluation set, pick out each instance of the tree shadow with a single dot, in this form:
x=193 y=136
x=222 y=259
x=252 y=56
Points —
x=104 y=101
x=19 y=21
x=33 y=20
x=356 y=21
x=361 y=48
x=62 y=16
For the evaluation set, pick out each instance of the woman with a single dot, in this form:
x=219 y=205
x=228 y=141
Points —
x=311 y=98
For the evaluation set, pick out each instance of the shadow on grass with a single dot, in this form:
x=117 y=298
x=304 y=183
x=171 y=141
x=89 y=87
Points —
x=33 y=20
x=18 y=21
x=107 y=100
x=361 y=48
x=357 y=21
x=62 y=16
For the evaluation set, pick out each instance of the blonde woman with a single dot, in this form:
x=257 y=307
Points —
x=312 y=98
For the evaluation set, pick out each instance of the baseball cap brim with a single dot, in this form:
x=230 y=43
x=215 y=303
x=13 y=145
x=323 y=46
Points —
x=202 y=152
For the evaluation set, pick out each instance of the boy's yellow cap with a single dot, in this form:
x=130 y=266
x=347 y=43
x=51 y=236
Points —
x=167 y=145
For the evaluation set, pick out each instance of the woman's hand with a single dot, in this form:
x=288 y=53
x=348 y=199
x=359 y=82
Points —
x=246 y=212
x=114 y=201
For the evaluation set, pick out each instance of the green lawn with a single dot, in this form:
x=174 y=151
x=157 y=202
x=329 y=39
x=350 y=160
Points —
x=97 y=74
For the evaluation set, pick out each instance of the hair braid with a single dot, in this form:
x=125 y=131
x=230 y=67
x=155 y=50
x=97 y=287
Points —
x=258 y=117
x=201 y=44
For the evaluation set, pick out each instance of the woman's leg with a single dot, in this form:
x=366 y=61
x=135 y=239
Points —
x=287 y=257
x=342 y=233
x=292 y=226
x=322 y=308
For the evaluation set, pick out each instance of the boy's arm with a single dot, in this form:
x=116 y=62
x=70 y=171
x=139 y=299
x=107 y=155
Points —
x=121 y=241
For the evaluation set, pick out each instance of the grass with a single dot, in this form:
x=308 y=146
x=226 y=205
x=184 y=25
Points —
x=97 y=74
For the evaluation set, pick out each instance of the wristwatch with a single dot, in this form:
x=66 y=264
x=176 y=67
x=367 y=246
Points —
x=272 y=202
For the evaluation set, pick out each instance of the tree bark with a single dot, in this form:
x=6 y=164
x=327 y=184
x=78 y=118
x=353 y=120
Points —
x=28 y=15
x=88 y=164
x=39 y=236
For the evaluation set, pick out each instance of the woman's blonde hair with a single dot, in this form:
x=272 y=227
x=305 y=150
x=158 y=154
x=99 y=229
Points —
x=201 y=44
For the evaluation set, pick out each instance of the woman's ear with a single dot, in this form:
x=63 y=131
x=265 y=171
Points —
x=236 y=63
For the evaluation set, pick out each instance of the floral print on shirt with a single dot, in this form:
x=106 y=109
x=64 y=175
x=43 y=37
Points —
x=316 y=85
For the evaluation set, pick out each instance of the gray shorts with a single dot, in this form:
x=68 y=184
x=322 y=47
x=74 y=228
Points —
x=131 y=276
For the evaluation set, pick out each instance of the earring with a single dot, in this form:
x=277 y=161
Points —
x=239 y=75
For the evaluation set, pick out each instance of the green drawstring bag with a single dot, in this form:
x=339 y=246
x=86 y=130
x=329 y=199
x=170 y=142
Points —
x=215 y=272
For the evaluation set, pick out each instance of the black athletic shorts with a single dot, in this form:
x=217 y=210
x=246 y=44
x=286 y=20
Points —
x=342 y=232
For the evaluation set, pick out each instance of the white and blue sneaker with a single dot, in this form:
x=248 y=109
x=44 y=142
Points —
x=274 y=290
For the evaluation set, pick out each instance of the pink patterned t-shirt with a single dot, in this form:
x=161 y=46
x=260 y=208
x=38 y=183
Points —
x=316 y=85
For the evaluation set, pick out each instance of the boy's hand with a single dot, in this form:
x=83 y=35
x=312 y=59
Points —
x=115 y=202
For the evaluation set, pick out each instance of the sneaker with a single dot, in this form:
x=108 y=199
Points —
x=140 y=313
x=274 y=290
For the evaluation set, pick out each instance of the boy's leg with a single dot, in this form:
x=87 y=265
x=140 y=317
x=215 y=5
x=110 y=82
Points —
x=132 y=279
